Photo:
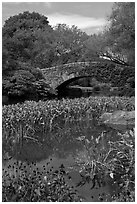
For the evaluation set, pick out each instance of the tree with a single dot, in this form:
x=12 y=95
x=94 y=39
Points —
x=117 y=41
x=25 y=37
x=22 y=34
x=26 y=83
x=68 y=43
x=94 y=47
x=121 y=32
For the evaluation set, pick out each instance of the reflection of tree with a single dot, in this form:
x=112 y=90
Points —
x=32 y=151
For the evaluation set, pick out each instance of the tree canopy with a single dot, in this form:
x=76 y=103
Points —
x=69 y=43
x=117 y=41
x=25 y=37
x=21 y=35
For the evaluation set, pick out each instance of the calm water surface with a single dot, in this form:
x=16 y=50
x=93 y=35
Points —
x=66 y=151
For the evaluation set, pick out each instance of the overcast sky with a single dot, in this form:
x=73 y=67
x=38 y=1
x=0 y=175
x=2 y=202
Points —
x=88 y=16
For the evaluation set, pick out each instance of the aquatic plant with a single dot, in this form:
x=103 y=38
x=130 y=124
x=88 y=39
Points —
x=36 y=120
x=113 y=161
x=48 y=123
x=36 y=186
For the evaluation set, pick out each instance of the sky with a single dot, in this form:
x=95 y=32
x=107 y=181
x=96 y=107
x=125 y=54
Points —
x=90 y=17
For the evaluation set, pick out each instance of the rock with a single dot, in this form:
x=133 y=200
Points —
x=119 y=120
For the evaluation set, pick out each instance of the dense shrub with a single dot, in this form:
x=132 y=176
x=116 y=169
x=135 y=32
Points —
x=26 y=83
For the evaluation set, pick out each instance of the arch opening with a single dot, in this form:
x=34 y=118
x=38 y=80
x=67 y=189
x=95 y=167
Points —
x=77 y=87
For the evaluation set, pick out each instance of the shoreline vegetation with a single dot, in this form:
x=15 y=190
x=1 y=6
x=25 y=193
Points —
x=50 y=121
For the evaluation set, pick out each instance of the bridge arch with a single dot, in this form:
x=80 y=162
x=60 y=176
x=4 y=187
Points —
x=103 y=70
x=76 y=86
x=55 y=76
x=87 y=80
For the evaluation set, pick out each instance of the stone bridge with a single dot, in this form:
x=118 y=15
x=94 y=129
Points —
x=57 y=75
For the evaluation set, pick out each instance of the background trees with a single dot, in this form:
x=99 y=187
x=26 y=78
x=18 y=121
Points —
x=25 y=38
x=121 y=33
x=29 y=44
x=69 y=43
x=23 y=33
x=117 y=41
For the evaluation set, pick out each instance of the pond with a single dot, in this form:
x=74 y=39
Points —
x=69 y=148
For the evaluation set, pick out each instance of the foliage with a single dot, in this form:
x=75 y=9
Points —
x=107 y=160
x=25 y=37
x=60 y=190
x=52 y=120
x=69 y=46
x=43 y=90
x=121 y=34
x=33 y=186
x=20 y=35
x=47 y=120
x=117 y=41
x=93 y=47
x=33 y=40
x=25 y=83
x=30 y=42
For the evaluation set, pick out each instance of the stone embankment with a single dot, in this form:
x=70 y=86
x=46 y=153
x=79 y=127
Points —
x=119 y=120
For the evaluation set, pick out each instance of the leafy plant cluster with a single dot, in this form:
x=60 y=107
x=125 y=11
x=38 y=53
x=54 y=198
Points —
x=46 y=121
x=26 y=83
x=112 y=162
x=53 y=119
x=109 y=161
x=36 y=185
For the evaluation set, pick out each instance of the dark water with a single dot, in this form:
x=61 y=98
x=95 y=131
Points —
x=67 y=150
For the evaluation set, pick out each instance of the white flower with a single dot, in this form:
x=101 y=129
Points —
x=45 y=178
x=111 y=175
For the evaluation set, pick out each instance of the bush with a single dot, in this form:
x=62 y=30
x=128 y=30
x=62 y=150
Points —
x=26 y=83
x=43 y=90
